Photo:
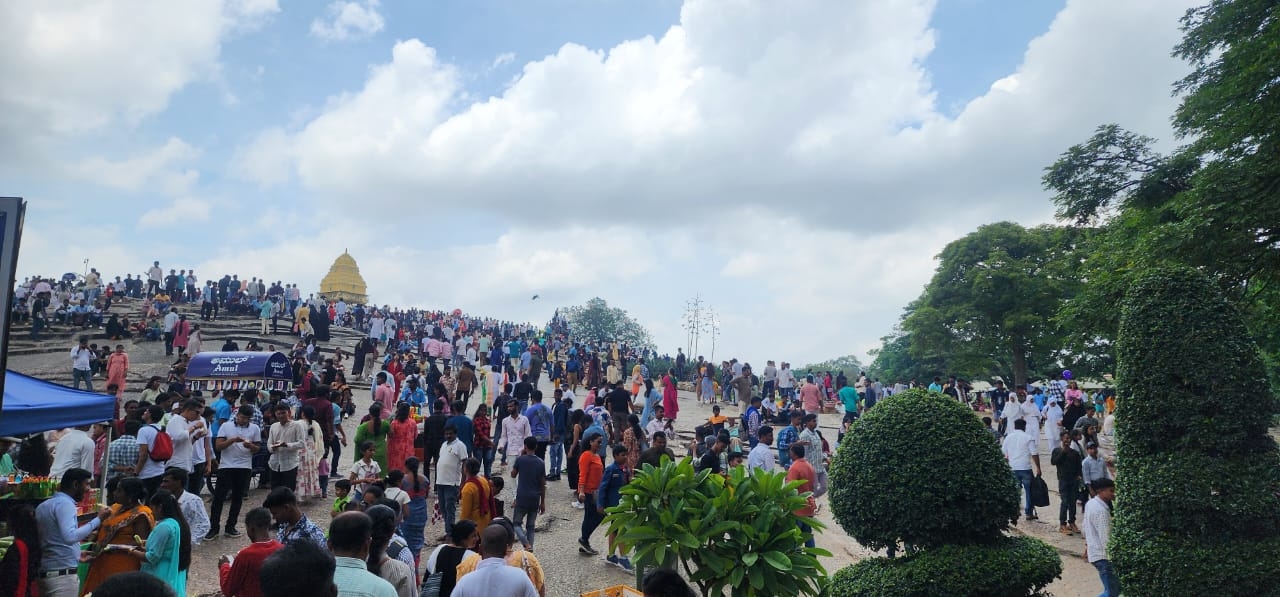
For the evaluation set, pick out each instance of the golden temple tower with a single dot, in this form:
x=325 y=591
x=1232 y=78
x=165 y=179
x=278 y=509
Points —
x=344 y=281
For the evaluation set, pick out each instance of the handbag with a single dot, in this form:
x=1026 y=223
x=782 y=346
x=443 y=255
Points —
x=1039 y=492
x=431 y=586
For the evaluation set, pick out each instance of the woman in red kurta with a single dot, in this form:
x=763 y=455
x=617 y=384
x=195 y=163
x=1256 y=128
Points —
x=400 y=439
x=670 y=397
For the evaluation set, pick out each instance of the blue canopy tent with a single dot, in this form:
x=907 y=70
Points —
x=32 y=405
x=215 y=371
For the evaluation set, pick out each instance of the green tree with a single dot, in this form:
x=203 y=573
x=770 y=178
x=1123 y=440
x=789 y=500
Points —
x=597 y=322
x=847 y=363
x=893 y=361
x=1197 y=510
x=993 y=300
x=1213 y=204
x=920 y=471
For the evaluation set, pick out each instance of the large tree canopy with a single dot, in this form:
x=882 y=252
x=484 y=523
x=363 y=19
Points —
x=991 y=304
x=1214 y=204
x=597 y=322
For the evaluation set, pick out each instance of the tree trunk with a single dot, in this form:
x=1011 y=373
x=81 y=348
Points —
x=1019 y=362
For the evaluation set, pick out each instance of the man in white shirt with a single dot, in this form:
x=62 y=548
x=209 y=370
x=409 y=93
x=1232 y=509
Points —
x=770 y=380
x=762 y=456
x=170 y=322
x=492 y=575
x=74 y=450
x=786 y=382
x=237 y=442
x=449 y=476
x=80 y=369
x=155 y=277
x=1019 y=448
x=184 y=430
x=1097 y=533
x=285 y=440
x=174 y=480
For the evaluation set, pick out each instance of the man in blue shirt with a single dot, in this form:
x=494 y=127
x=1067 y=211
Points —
x=560 y=433
x=460 y=420
x=222 y=410
x=540 y=421
x=61 y=536
x=787 y=436
x=616 y=476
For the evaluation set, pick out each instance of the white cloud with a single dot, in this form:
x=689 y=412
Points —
x=181 y=211
x=502 y=59
x=348 y=21
x=786 y=160
x=821 y=108
x=77 y=67
x=161 y=166
x=265 y=160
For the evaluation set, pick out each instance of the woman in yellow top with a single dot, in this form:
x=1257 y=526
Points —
x=129 y=518
x=517 y=558
x=477 y=496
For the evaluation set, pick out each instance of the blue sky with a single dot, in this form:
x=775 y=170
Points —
x=797 y=164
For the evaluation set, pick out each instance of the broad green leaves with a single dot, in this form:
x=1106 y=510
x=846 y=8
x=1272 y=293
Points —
x=736 y=532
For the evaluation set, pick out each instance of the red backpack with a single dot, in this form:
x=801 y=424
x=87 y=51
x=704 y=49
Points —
x=163 y=449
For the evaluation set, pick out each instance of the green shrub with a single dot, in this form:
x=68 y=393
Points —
x=737 y=532
x=919 y=469
x=1196 y=507
x=1009 y=567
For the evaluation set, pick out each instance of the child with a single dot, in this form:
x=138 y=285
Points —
x=323 y=473
x=366 y=470
x=342 y=497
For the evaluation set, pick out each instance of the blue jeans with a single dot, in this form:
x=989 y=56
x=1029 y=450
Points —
x=806 y=529
x=485 y=456
x=1110 y=582
x=526 y=518
x=557 y=456
x=1024 y=478
x=79 y=374
x=448 y=496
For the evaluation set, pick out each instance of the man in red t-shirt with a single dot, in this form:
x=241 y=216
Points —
x=238 y=576
x=801 y=470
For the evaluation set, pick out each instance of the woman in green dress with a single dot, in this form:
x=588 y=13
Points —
x=375 y=430
x=167 y=553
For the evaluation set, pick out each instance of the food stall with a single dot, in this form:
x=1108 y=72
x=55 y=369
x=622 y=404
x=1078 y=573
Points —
x=218 y=371
x=34 y=406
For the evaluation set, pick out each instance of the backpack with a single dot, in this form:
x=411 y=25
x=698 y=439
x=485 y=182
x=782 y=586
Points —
x=163 y=449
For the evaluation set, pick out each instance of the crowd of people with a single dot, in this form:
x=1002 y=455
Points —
x=456 y=407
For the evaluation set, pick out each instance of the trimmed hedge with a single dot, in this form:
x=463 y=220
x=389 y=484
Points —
x=919 y=469
x=1010 y=567
x=1193 y=372
x=1197 y=510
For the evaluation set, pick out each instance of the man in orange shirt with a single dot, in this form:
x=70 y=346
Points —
x=803 y=471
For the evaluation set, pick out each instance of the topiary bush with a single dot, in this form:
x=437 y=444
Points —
x=1197 y=510
x=1009 y=567
x=919 y=469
